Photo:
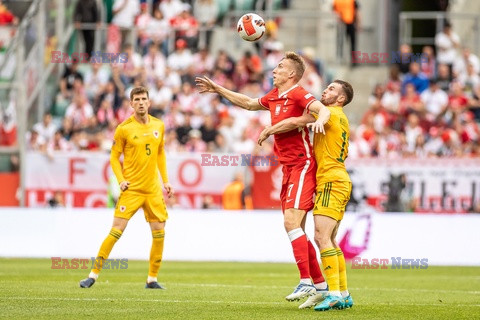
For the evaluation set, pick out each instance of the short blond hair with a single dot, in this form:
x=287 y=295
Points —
x=298 y=63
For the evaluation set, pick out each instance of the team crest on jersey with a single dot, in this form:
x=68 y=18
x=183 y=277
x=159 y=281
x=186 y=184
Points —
x=155 y=134
x=123 y=208
x=277 y=109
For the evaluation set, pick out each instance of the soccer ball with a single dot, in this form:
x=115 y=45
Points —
x=251 y=27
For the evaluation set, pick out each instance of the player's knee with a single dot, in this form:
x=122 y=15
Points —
x=322 y=240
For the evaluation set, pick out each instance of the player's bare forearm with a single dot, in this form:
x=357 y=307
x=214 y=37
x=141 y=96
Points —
x=205 y=84
x=291 y=124
x=316 y=107
x=285 y=126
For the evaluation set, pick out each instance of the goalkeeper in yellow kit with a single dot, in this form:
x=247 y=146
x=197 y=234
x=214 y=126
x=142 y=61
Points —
x=140 y=138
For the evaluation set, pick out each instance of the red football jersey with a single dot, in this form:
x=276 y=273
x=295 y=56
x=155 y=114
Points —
x=293 y=146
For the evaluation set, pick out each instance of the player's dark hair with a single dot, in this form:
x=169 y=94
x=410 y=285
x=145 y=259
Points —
x=298 y=62
x=138 y=90
x=347 y=90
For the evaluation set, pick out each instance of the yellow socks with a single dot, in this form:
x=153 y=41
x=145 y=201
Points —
x=156 y=252
x=330 y=269
x=106 y=248
x=342 y=270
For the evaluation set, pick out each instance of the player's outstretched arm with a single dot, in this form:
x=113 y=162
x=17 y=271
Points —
x=205 y=84
x=285 y=126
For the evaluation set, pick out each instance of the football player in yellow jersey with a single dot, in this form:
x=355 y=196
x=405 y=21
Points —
x=330 y=147
x=140 y=138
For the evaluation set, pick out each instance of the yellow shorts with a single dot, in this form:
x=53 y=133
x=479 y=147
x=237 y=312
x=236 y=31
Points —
x=332 y=198
x=153 y=206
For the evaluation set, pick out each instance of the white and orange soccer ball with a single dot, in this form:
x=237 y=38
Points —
x=251 y=27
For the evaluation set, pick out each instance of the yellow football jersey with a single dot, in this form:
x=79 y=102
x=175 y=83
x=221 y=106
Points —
x=141 y=145
x=331 y=149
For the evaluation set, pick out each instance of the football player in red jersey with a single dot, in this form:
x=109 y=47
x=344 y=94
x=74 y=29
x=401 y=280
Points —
x=294 y=151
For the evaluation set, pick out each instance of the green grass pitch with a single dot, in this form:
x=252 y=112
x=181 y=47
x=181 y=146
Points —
x=30 y=289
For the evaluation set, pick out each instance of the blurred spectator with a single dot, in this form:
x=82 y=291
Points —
x=184 y=129
x=208 y=130
x=170 y=8
x=348 y=13
x=460 y=66
x=428 y=67
x=411 y=101
x=186 y=27
x=391 y=98
x=160 y=97
x=203 y=62
x=404 y=64
x=105 y=113
x=154 y=63
x=206 y=12
x=111 y=93
x=158 y=30
x=69 y=76
x=233 y=197
x=58 y=143
x=125 y=110
x=253 y=64
x=79 y=112
x=244 y=145
x=142 y=23
x=195 y=142
x=418 y=79
x=435 y=101
x=86 y=11
x=446 y=43
x=124 y=13
x=96 y=78
x=444 y=77
x=35 y=142
x=181 y=59
x=412 y=131
x=457 y=101
x=46 y=128
x=131 y=68
x=224 y=64
x=469 y=80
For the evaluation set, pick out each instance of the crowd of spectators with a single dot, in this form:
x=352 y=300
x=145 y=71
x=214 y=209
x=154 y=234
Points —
x=94 y=97
x=427 y=108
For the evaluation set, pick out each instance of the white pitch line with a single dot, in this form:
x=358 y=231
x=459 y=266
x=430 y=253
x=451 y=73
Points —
x=224 y=302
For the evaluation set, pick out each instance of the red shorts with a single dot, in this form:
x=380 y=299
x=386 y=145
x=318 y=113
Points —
x=298 y=186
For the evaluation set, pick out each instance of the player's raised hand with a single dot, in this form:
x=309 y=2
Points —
x=124 y=185
x=264 y=135
x=169 y=189
x=319 y=125
x=205 y=84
